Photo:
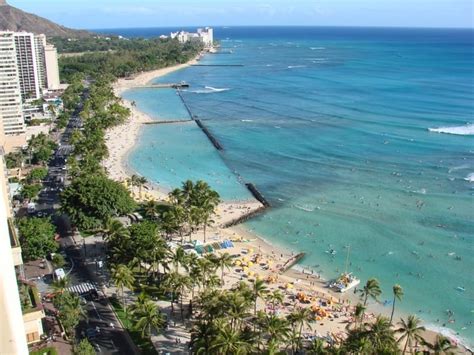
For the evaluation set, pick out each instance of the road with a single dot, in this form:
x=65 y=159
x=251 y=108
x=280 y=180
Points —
x=110 y=339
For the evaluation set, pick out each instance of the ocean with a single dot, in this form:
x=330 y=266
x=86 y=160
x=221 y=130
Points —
x=359 y=137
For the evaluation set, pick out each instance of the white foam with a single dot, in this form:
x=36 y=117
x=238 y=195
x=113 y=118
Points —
x=246 y=120
x=296 y=66
x=467 y=130
x=306 y=208
x=470 y=177
x=210 y=90
x=316 y=48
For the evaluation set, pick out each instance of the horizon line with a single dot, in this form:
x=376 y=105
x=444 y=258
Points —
x=319 y=26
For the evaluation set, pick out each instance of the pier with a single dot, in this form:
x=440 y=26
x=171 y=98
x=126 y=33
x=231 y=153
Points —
x=257 y=194
x=209 y=135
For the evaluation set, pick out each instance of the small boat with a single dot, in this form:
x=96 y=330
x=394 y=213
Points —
x=460 y=289
x=344 y=282
x=331 y=251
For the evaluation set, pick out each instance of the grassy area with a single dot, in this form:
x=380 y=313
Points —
x=144 y=344
x=45 y=351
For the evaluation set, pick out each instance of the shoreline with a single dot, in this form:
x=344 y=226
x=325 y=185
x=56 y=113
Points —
x=122 y=139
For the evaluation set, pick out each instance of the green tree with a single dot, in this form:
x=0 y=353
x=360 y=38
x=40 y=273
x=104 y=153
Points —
x=30 y=192
x=36 y=237
x=224 y=262
x=260 y=290
x=84 y=347
x=148 y=318
x=123 y=278
x=410 y=330
x=58 y=260
x=397 y=295
x=93 y=199
x=114 y=229
x=298 y=319
x=36 y=175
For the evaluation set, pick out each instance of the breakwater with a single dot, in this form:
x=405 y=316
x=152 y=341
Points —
x=257 y=194
x=166 y=121
x=209 y=135
x=244 y=218
x=217 y=65
x=185 y=105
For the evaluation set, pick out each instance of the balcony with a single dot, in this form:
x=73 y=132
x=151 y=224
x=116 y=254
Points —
x=15 y=243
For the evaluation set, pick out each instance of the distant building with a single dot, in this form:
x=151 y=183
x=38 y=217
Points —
x=205 y=35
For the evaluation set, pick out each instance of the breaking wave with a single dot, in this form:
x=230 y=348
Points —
x=210 y=90
x=467 y=130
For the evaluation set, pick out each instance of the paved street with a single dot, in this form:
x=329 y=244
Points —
x=101 y=326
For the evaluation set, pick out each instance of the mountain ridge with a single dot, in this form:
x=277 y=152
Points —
x=14 y=19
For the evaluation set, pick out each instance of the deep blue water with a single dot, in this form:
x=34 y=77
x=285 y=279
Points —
x=331 y=124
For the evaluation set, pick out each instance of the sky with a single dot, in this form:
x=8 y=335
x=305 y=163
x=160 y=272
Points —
x=96 y=14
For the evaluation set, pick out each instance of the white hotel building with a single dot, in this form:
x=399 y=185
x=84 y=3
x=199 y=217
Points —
x=205 y=35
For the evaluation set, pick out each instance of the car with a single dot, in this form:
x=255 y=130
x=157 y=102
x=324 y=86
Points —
x=92 y=333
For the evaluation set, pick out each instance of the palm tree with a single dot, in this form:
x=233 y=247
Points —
x=123 y=277
x=114 y=229
x=275 y=297
x=224 y=261
x=179 y=258
x=317 y=347
x=371 y=289
x=278 y=331
x=259 y=291
x=397 y=295
x=140 y=182
x=149 y=317
x=229 y=341
x=298 y=319
x=150 y=209
x=359 y=314
x=380 y=333
x=410 y=330
x=442 y=345
x=60 y=285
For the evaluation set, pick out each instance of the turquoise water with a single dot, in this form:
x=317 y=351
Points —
x=332 y=125
x=159 y=104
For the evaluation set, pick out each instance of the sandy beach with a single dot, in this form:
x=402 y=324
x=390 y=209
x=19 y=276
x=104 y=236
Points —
x=247 y=247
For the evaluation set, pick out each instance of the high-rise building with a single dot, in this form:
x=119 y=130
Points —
x=11 y=110
x=51 y=67
x=28 y=69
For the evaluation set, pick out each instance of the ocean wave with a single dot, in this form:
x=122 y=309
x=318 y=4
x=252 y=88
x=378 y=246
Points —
x=470 y=177
x=209 y=90
x=306 y=208
x=316 y=48
x=246 y=120
x=467 y=130
x=296 y=66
